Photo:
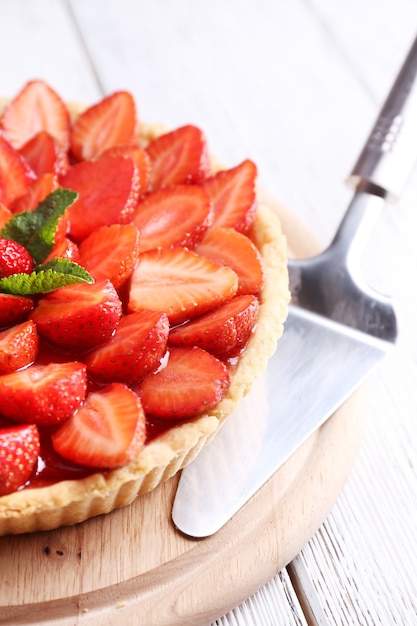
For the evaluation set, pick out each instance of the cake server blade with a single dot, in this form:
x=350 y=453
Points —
x=337 y=331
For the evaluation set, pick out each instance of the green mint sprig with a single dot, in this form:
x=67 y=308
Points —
x=35 y=230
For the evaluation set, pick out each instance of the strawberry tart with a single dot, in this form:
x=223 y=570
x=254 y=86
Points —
x=143 y=288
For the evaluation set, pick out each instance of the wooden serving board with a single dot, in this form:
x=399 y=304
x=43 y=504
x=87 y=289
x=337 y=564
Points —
x=133 y=565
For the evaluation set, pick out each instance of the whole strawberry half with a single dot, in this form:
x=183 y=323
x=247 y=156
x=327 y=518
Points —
x=14 y=309
x=108 y=431
x=78 y=317
x=18 y=346
x=43 y=394
x=223 y=332
x=135 y=349
x=180 y=283
x=107 y=194
x=192 y=382
x=14 y=258
x=19 y=450
x=178 y=215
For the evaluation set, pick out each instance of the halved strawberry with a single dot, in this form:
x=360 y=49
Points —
x=19 y=451
x=14 y=258
x=35 y=192
x=173 y=216
x=192 y=382
x=135 y=349
x=44 y=155
x=18 y=346
x=111 y=252
x=141 y=159
x=15 y=174
x=226 y=246
x=5 y=214
x=78 y=317
x=180 y=283
x=64 y=249
x=178 y=157
x=107 y=194
x=110 y=122
x=233 y=195
x=223 y=332
x=43 y=394
x=36 y=107
x=108 y=431
x=14 y=309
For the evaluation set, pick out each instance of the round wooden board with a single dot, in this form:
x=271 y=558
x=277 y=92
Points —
x=133 y=565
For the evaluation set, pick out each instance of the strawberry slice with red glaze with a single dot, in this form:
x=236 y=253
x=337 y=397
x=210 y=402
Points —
x=5 y=215
x=44 y=155
x=43 y=394
x=14 y=309
x=110 y=122
x=14 y=258
x=192 y=382
x=36 y=107
x=64 y=248
x=223 y=332
x=178 y=157
x=19 y=451
x=180 y=283
x=173 y=216
x=135 y=350
x=107 y=194
x=15 y=174
x=108 y=431
x=111 y=252
x=141 y=159
x=233 y=195
x=18 y=346
x=78 y=317
x=36 y=191
x=226 y=246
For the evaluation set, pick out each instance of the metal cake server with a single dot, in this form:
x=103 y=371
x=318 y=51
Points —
x=337 y=331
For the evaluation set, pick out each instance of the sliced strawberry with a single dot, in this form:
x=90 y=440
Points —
x=19 y=451
x=14 y=309
x=65 y=249
x=180 y=283
x=223 y=332
x=15 y=174
x=178 y=157
x=43 y=394
x=18 y=347
x=108 y=431
x=192 y=382
x=44 y=155
x=80 y=316
x=226 y=246
x=5 y=215
x=141 y=159
x=107 y=194
x=36 y=107
x=36 y=191
x=233 y=194
x=110 y=122
x=14 y=258
x=135 y=349
x=173 y=216
x=111 y=252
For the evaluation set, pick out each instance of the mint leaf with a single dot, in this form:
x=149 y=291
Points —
x=53 y=275
x=35 y=230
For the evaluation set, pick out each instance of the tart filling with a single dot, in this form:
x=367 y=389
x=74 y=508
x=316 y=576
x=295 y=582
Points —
x=237 y=325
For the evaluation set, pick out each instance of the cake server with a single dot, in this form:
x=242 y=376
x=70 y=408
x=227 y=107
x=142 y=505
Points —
x=338 y=330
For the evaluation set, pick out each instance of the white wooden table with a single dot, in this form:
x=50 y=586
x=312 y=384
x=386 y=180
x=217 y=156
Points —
x=296 y=87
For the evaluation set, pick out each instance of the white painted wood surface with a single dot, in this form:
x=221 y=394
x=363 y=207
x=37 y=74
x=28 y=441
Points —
x=296 y=87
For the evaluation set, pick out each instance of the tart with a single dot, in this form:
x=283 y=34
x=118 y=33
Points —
x=61 y=489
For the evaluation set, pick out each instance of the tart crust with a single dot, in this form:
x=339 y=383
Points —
x=72 y=501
